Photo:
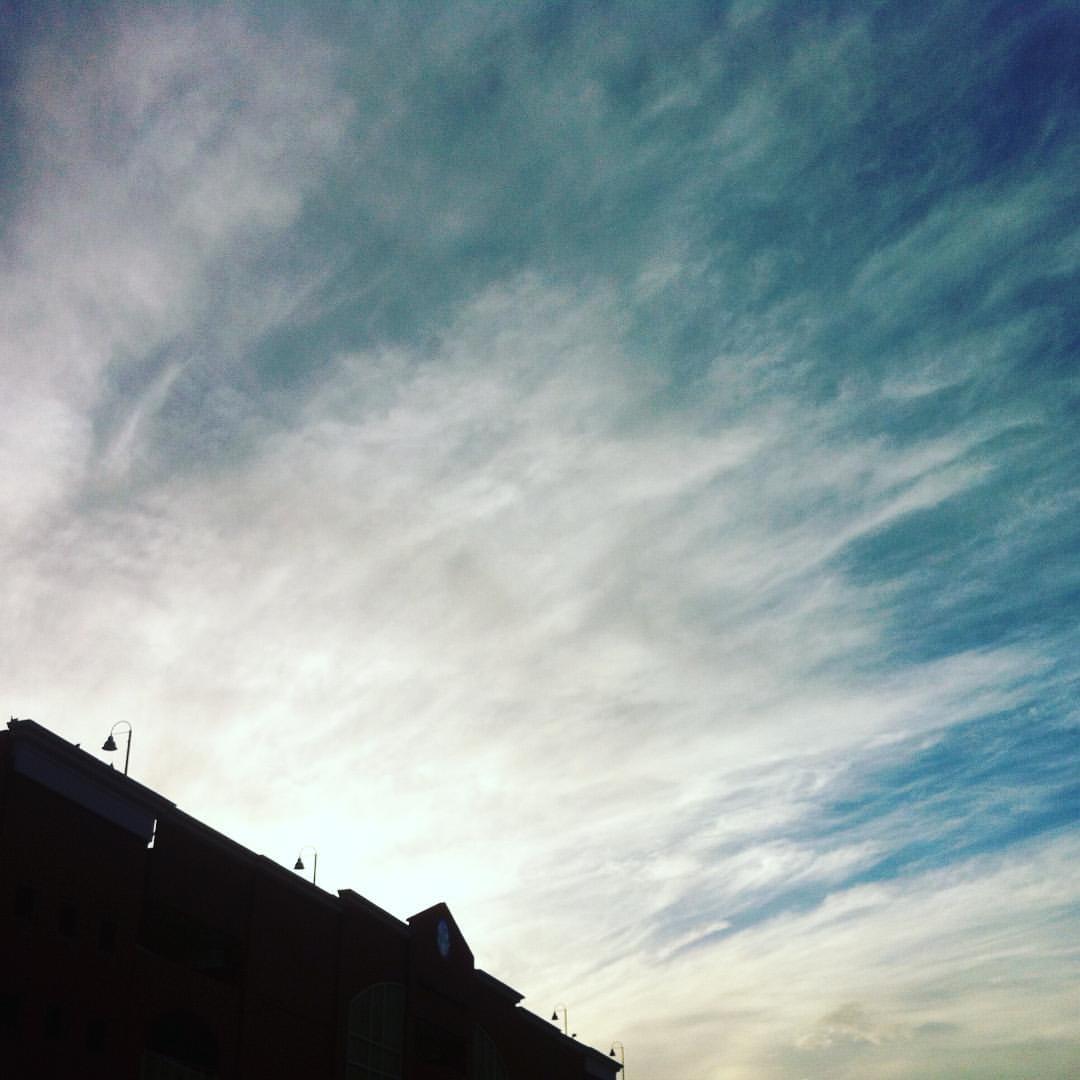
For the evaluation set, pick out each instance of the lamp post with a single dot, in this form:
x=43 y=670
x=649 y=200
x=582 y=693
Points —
x=299 y=864
x=565 y=1019
x=110 y=743
x=622 y=1055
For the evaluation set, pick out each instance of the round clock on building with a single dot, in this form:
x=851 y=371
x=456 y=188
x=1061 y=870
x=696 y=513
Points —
x=442 y=937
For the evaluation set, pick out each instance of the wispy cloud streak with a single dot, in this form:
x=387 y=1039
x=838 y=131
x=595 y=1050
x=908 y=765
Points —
x=636 y=450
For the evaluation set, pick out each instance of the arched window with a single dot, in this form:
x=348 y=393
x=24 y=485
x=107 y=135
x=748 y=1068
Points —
x=376 y=1033
x=486 y=1064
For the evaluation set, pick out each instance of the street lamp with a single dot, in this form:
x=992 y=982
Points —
x=622 y=1055
x=110 y=743
x=565 y=1020
x=299 y=864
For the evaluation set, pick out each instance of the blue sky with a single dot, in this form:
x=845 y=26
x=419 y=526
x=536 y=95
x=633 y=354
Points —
x=609 y=467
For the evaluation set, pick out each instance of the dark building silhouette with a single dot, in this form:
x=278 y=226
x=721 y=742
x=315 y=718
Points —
x=136 y=942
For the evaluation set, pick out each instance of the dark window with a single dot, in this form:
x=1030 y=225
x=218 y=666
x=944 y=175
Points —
x=180 y=1045
x=182 y=938
x=53 y=1023
x=107 y=935
x=11 y=1007
x=376 y=1033
x=437 y=1046
x=486 y=1063
x=25 y=901
x=95 y=1035
x=69 y=920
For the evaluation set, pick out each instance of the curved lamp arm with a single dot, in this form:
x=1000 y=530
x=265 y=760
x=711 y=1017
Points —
x=110 y=743
x=621 y=1055
x=565 y=1017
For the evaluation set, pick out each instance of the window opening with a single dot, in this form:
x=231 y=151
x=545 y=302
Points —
x=437 y=1046
x=180 y=1046
x=69 y=920
x=95 y=1035
x=486 y=1063
x=11 y=1007
x=107 y=935
x=53 y=1023
x=25 y=901
x=187 y=940
x=376 y=1033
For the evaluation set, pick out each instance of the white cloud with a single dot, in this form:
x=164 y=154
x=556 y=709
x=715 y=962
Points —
x=177 y=141
x=487 y=588
x=488 y=617
x=883 y=979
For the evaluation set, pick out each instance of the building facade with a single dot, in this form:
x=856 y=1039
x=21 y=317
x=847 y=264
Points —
x=136 y=942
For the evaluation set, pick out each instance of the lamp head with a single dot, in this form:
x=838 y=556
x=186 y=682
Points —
x=555 y=1015
x=299 y=865
x=109 y=743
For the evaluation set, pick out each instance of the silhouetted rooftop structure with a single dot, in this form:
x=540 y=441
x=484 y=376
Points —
x=138 y=942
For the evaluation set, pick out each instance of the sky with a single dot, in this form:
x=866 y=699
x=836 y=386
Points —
x=610 y=467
